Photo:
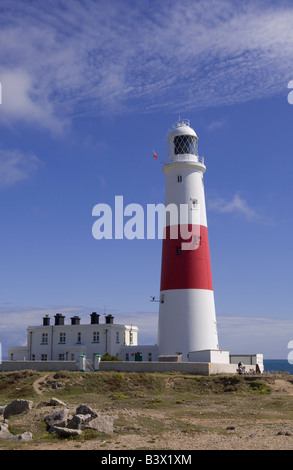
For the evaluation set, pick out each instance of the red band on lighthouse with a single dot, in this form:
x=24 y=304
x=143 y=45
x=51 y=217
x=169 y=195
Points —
x=189 y=268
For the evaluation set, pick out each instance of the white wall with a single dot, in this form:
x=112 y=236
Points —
x=209 y=355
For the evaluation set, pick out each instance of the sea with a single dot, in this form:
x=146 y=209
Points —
x=277 y=365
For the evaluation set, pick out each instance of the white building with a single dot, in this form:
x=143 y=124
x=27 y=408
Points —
x=61 y=342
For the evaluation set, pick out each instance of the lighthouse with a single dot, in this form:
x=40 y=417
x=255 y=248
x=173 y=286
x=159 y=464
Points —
x=187 y=318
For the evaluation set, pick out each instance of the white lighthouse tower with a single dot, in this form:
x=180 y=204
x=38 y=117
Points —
x=187 y=318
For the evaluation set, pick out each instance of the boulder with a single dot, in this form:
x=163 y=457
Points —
x=102 y=424
x=16 y=407
x=86 y=410
x=65 y=432
x=25 y=436
x=4 y=433
x=79 y=421
x=57 y=418
x=56 y=402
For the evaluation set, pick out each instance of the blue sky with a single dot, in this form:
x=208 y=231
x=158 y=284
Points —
x=89 y=89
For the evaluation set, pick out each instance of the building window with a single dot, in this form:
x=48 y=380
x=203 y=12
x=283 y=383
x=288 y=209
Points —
x=131 y=337
x=179 y=178
x=150 y=357
x=61 y=357
x=178 y=250
x=127 y=357
x=72 y=356
x=44 y=338
x=62 y=338
x=124 y=338
x=117 y=336
x=44 y=357
x=78 y=337
x=33 y=357
x=96 y=337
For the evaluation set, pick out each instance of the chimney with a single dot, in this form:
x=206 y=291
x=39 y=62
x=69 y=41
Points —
x=75 y=320
x=109 y=319
x=46 y=320
x=59 y=319
x=95 y=318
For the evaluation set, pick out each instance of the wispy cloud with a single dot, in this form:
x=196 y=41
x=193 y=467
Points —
x=67 y=59
x=237 y=206
x=250 y=335
x=16 y=166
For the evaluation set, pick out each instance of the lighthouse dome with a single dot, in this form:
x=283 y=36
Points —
x=182 y=143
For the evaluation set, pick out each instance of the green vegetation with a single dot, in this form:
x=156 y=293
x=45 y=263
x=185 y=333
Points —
x=107 y=357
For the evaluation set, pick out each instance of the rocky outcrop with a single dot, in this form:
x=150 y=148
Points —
x=84 y=418
x=59 y=420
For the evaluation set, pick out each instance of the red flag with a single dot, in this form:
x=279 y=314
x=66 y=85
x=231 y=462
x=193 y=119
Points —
x=155 y=156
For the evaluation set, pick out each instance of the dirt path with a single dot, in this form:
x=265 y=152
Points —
x=36 y=384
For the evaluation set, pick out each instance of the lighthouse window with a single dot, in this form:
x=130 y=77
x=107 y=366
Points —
x=194 y=204
x=185 y=144
x=179 y=178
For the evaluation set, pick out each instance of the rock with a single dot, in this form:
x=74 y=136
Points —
x=86 y=410
x=65 y=432
x=56 y=402
x=57 y=418
x=4 y=433
x=79 y=421
x=102 y=424
x=284 y=433
x=25 y=436
x=16 y=407
x=2 y=408
x=230 y=428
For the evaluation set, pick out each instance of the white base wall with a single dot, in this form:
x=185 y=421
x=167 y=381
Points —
x=214 y=356
x=187 y=322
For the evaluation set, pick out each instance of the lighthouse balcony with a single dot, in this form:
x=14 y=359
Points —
x=186 y=157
